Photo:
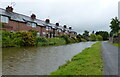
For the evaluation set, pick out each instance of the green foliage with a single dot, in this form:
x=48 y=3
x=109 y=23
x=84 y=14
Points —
x=79 y=37
x=116 y=44
x=86 y=35
x=99 y=38
x=75 y=39
x=92 y=37
x=7 y=39
x=88 y=62
x=29 y=38
x=104 y=34
x=57 y=41
x=114 y=26
x=83 y=40
x=67 y=39
x=41 y=39
x=33 y=32
x=20 y=38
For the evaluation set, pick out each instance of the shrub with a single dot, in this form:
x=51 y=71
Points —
x=7 y=39
x=67 y=39
x=21 y=38
x=92 y=37
x=79 y=37
x=83 y=40
x=27 y=38
x=75 y=40
x=41 y=39
x=99 y=38
x=56 y=41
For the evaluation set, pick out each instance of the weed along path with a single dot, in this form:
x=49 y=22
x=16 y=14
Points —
x=39 y=60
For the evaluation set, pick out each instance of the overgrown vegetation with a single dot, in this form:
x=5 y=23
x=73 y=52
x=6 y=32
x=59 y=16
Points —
x=30 y=38
x=20 y=38
x=88 y=62
x=104 y=34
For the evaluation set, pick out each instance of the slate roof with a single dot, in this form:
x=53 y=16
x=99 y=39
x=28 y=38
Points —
x=23 y=18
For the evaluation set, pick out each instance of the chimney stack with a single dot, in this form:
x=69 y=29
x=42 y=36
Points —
x=57 y=24
x=70 y=28
x=65 y=26
x=9 y=9
x=33 y=16
x=47 y=21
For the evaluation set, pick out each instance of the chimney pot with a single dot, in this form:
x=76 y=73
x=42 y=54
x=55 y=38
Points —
x=47 y=21
x=57 y=24
x=65 y=26
x=70 y=28
x=9 y=9
x=33 y=16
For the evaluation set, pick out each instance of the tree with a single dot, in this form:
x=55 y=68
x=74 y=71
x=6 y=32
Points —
x=99 y=38
x=78 y=37
x=114 y=26
x=93 y=32
x=86 y=35
x=104 y=34
x=92 y=37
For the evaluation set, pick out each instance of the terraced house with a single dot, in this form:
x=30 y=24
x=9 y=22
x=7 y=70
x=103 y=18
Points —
x=13 y=22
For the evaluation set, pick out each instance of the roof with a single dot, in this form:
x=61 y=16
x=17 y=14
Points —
x=20 y=17
x=23 y=18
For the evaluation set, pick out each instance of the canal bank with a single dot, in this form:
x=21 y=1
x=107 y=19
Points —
x=39 y=60
x=88 y=62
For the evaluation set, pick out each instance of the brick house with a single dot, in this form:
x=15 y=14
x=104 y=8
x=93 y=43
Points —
x=17 y=22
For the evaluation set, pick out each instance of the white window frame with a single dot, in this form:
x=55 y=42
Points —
x=31 y=24
x=47 y=28
x=50 y=28
x=4 y=19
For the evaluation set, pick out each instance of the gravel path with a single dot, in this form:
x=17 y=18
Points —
x=110 y=58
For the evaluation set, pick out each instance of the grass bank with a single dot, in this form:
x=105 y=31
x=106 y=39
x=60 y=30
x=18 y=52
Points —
x=88 y=62
x=116 y=44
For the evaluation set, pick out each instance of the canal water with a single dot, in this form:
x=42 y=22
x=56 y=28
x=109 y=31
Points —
x=38 y=60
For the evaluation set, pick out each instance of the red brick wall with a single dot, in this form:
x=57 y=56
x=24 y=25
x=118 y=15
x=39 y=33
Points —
x=19 y=26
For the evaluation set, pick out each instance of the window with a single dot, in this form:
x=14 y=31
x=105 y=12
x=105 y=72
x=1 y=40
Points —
x=13 y=31
x=59 y=30
x=38 y=34
x=4 y=19
x=31 y=24
x=66 y=31
x=47 y=28
x=44 y=33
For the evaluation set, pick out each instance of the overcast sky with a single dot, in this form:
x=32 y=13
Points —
x=79 y=14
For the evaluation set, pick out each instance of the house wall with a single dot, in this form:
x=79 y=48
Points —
x=21 y=26
x=18 y=26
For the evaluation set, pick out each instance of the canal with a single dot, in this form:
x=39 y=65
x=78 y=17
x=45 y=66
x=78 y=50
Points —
x=38 y=60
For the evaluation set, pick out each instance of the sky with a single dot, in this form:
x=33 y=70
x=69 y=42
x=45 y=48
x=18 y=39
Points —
x=91 y=15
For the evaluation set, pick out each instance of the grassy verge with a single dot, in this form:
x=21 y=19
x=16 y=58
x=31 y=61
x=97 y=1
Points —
x=52 y=42
x=116 y=44
x=88 y=62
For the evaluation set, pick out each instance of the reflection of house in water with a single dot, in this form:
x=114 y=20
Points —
x=17 y=22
